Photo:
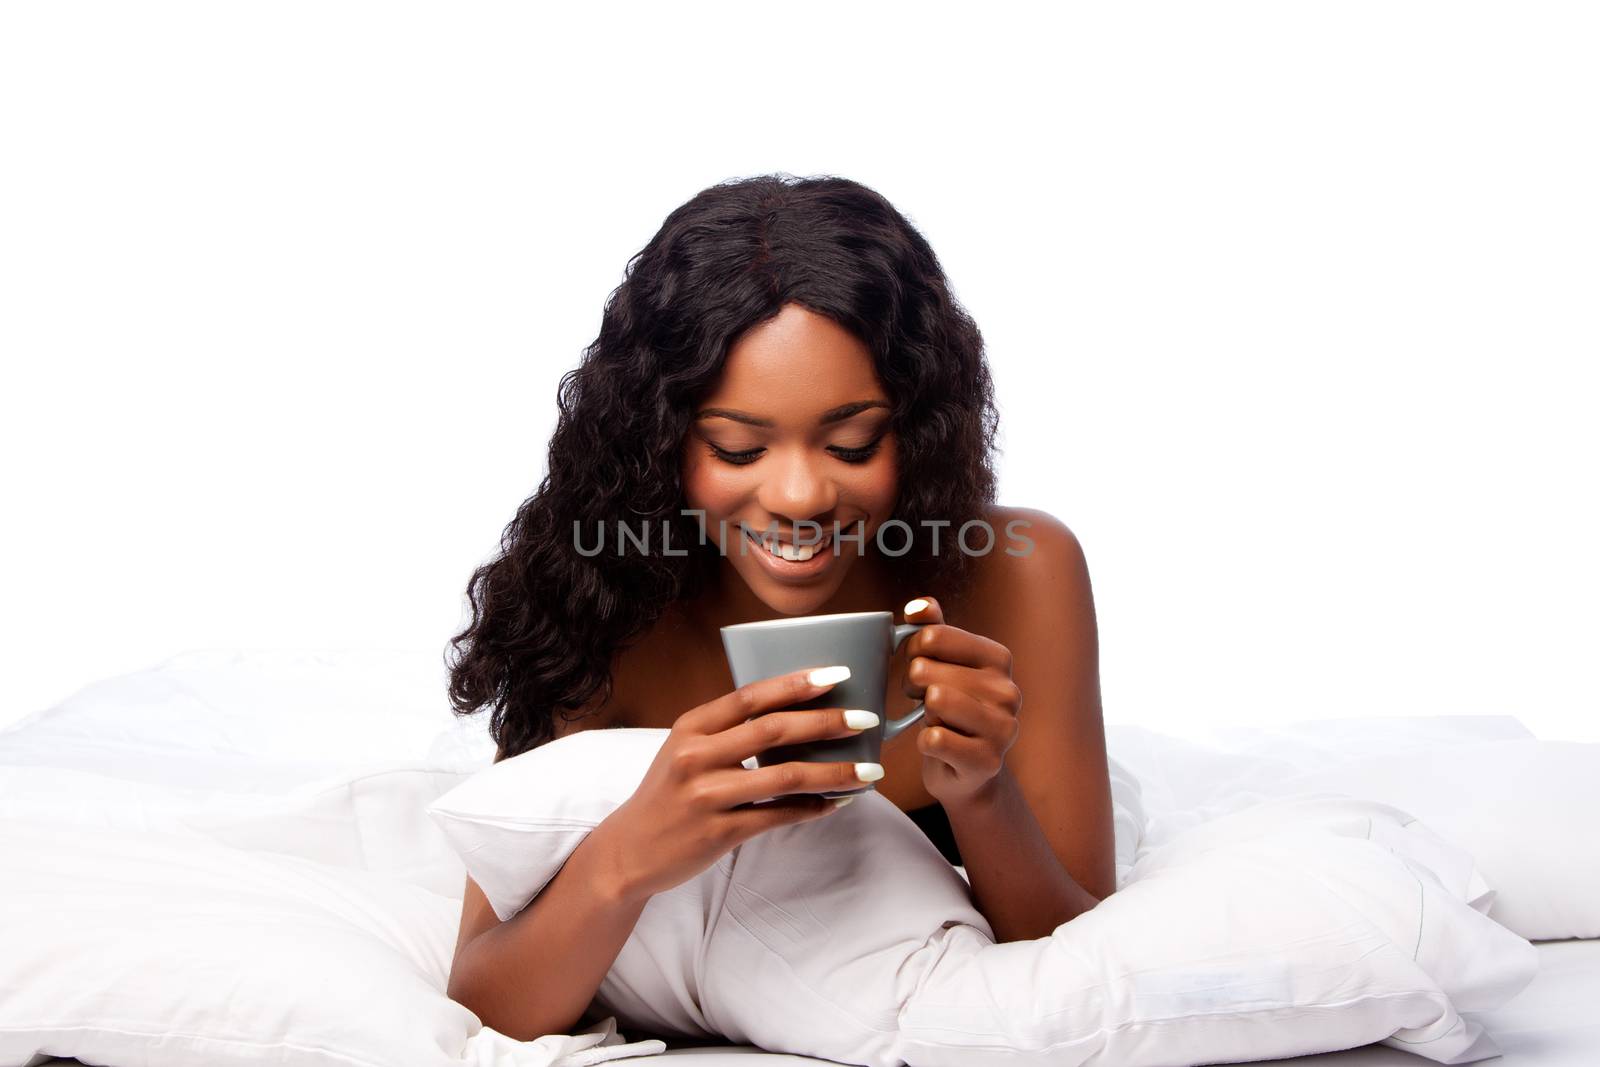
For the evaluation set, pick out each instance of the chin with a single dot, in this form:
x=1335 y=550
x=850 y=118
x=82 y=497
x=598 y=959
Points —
x=795 y=599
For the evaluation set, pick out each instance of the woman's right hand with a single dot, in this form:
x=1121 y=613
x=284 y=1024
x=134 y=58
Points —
x=695 y=802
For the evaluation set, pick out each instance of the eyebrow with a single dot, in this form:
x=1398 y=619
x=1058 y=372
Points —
x=843 y=411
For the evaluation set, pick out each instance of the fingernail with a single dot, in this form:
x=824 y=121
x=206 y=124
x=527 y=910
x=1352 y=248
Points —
x=840 y=802
x=869 y=772
x=828 y=675
x=860 y=720
x=914 y=606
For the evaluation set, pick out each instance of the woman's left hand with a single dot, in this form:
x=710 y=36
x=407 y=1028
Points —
x=964 y=679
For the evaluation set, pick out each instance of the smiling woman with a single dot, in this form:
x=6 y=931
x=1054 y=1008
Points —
x=783 y=377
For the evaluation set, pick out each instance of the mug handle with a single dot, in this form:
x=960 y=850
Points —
x=891 y=727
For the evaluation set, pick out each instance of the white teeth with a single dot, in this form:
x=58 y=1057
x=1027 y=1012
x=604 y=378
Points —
x=794 y=553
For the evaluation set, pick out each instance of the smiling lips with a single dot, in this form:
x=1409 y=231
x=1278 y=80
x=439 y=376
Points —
x=790 y=562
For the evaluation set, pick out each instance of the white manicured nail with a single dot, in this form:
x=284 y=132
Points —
x=860 y=720
x=914 y=606
x=840 y=802
x=869 y=772
x=828 y=675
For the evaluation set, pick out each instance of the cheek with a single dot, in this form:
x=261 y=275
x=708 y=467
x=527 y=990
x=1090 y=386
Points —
x=721 y=493
x=881 y=488
x=708 y=489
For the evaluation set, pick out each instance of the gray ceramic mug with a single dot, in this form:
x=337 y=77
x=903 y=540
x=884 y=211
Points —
x=864 y=641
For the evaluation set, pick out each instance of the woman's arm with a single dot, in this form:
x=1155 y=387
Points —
x=1038 y=843
x=536 y=973
x=1018 y=883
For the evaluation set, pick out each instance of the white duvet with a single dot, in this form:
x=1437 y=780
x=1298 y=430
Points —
x=225 y=859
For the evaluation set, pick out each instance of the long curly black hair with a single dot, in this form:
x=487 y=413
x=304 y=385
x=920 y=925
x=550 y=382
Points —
x=547 y=621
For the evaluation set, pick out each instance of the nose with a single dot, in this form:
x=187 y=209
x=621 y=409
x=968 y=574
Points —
x=797 y=489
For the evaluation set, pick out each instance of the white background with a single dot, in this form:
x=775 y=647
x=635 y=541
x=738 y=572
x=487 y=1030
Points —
x=1292 y=311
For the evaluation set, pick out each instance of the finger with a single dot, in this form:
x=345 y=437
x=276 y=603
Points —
x=923 y=609
x=769 y=694
x=923 y=674
x=747 y=822
x=960 y=711
x=966 y=755
x=729 y=788
x=736 y=744
x=984 y=685
x=955 y=645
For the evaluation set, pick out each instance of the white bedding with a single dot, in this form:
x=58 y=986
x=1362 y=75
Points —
x=315 y=767
x=1551 y=1024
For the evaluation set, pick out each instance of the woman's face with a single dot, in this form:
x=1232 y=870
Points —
x=795 y=431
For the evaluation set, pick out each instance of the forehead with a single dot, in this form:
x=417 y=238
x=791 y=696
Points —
x=796 y=364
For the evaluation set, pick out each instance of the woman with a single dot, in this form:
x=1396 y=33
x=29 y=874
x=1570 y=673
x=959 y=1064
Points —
x=784 y=352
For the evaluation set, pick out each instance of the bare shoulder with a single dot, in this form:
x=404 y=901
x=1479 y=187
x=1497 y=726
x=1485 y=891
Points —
x=1032 y=552
x=1032 y=584
x=1025 y=527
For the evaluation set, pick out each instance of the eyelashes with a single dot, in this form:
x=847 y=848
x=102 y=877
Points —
x=749 y=456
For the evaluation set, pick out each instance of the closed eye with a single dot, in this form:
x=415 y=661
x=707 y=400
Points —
x=749 y=456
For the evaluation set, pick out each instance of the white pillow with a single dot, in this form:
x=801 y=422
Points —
x=1318 y=924
x=1522 y=807
x=368 y=820
x=573 y=799
x=516 y=821
x=1525 y=810
x=127 y=946
x=329 y=755
x=243 y=720
x=1181 y=774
